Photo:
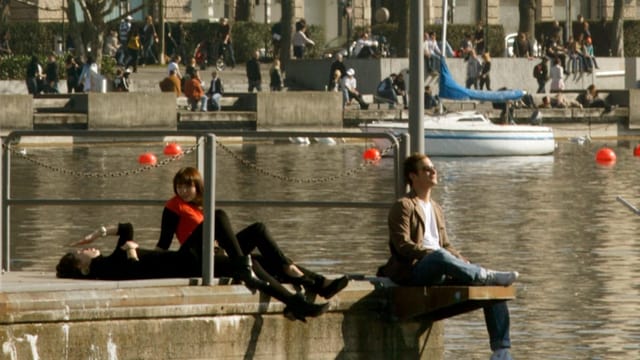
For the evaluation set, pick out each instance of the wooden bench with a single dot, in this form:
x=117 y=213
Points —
x=441 y=302
x=438 y=302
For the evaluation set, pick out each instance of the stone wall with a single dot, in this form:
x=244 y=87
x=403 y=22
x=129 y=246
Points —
x=203 y=322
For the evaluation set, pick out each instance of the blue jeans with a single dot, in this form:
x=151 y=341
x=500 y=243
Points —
x=442 y=268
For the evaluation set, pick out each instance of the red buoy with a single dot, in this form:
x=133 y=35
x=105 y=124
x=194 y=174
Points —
x=371 y=154
x=606 y=156
x=636 y=151
x=147 y=159
x=172 y=149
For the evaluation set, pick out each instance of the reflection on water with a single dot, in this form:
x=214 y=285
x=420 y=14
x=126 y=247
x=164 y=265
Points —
x=555 y=219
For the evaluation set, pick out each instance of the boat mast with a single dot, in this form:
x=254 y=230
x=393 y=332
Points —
x=416 y=76
x=445 y=9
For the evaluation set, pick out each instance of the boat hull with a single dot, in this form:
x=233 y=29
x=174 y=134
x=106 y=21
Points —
x=509 y=140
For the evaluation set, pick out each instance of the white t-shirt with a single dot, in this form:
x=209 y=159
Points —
x=431 y=239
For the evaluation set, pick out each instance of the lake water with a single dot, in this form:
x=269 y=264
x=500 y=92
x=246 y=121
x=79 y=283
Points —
x=555 y=219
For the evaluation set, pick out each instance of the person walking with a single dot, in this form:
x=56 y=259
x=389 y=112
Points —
x=485 y=70
x=541 y=74
x=149 y=38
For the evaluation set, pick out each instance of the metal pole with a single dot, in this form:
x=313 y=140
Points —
x=209 y=175
x=567 y=23
x=163 y=45
x=403 y=153
x=416 y=76
x=4 y=209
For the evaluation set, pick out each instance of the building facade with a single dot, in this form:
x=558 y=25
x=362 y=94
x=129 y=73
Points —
x=337 y=16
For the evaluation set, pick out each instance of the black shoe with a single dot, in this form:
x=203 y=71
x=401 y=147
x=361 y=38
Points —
x=299 y=309
x=244 y=273
x=334 y=287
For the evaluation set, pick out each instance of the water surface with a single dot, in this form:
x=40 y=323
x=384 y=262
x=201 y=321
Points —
x=555 y=219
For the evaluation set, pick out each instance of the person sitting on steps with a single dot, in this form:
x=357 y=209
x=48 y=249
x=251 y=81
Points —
x=350 y=90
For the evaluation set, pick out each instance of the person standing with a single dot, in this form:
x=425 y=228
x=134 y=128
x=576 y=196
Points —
x=34 y=76
x=541 y=73
x=275 y=75
x=123 y=36
x=478 y=38
x=5 y=47
x=485 y=70
x=133 y=49
x=422 y=255
x=557 y=76
x=226 y=47
x=89 y=76
x=51 y=75
x=71 y=69
x=149 y=38
x=174 y=65
x=473 y=70
x=253 y=72
x=300 y=40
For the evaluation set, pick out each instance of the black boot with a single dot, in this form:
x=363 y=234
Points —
x=317 y=286
x=244 y=272
x=334 y=287
x=299 y=309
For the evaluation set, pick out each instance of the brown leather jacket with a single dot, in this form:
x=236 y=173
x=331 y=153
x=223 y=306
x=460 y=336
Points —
x=406 y=233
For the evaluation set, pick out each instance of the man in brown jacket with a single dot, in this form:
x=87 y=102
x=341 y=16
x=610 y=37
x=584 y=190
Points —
x=421 y=253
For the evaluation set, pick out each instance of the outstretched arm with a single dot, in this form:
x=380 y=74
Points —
x=102 y=231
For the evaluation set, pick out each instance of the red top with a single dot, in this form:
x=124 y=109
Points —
x=190 y=217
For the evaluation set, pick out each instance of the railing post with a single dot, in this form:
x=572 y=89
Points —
x=209 y=174
x=401 y=154
x=3 y=238
x=5 y=162
x=200 y=154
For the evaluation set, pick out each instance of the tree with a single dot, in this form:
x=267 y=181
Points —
x=286 y=25
x=617 y=35
x=89 y=33
x=246 y=10
x=527 y=11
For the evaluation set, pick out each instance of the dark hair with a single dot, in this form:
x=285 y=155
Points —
x=68 y=267
x=190 y=176
x=410 y=166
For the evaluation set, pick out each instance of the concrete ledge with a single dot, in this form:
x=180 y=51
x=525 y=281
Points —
x=132 y=111
x=166 y=319
x=217 y=120
x=17 y=112
x=299 y=108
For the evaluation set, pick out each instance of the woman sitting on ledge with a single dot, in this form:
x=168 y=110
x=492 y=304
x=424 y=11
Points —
x=129 y=262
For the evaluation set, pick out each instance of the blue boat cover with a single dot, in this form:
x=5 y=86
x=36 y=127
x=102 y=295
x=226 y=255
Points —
x=449 y=89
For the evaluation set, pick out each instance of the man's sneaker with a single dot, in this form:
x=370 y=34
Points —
x=501 y=278
x=501 y=354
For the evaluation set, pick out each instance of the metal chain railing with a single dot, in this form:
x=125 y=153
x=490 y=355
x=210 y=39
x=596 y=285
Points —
x=288 y=179
x=168 y=160
x=112 y=174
